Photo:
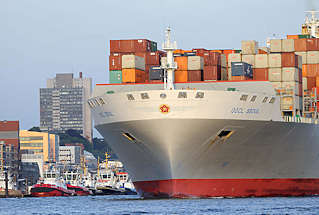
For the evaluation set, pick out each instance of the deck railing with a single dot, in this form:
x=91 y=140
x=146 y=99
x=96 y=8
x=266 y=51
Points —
x=300 y=119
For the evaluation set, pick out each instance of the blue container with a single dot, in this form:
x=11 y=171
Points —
x=156 y=73
x=241 y=69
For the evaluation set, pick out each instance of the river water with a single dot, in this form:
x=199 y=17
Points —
x=96 y=205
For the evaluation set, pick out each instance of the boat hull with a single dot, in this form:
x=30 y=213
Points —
x=49 y=191
x=182 y=158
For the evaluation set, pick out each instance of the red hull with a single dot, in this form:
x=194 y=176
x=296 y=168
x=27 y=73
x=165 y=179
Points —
x=203 y=188
x=47 y=190
x=79 y=191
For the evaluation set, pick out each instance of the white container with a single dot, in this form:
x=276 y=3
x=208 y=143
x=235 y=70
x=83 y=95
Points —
x=261 y=61
x=303 y=56
x=288 y=45
x=233 y=58
x=195 y=63
x=275 y=45
x=249 y=59
x=223 y=60
x=290 y=87
x=133 y=62
x=274 y=60
x=229 y=74
x=313 y=57
x=274 y=74
x=249 y=47
x=290 y=74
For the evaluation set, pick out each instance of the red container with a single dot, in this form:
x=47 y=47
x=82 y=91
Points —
x=212 y=73
x=141 y=45
x=300 y=45
x=289 y=59
x=228 y=51
x=261 y=74
x=115 y=61
x=311 y=82
x=300 y=89
x=194 y=75
x=312 y=44
x=312 y=70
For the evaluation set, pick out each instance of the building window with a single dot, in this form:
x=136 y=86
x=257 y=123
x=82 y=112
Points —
x=182 y=95
x=265 y=99
x=144 y=96
x=199 y=95
x=243 y=97
x=130 y=97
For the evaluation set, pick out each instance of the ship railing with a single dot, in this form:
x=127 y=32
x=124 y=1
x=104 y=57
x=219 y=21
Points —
x=300 y=119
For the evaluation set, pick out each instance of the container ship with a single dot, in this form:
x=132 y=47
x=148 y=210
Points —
x=214 y=123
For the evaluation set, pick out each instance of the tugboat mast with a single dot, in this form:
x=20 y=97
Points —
x=170 y=66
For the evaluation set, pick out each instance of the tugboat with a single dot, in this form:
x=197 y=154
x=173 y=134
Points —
x=126 y=183
x=51 y=185
x=73 y=182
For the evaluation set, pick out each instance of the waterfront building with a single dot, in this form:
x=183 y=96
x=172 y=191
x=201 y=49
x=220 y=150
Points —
x=70 y=155
x=63 y=105
x=9 y=151
x=34 y=143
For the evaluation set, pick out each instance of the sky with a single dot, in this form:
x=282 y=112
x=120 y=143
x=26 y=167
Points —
x=39 y=38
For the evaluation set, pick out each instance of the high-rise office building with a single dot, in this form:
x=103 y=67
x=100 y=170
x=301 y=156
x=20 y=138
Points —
x=63 y=104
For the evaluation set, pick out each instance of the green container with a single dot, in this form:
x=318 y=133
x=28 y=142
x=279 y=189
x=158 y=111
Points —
x=153 y=46
x=115 y=76
x=237 y=51
x=304 y=36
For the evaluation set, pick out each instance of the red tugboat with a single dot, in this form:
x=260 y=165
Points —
x=73 y=182
x=51 y=185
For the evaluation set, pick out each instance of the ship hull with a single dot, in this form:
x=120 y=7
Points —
x=204 y=188
x=183 y=158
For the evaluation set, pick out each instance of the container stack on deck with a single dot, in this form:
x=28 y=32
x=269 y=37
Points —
x=279 y=65
x=134 y=68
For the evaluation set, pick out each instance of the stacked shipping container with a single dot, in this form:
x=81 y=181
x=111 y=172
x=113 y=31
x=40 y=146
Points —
x=281 y=66
x=142 y=52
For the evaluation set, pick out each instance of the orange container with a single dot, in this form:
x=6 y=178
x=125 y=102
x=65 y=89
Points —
x=304 y=70
x=181 y=75
x=292 y=37
x=179 y=51
x=301 y=45
x=219 y=51
x=133 y=76
x=317 y=81
x=239 y=78
x=228 y=51
x=181 y=62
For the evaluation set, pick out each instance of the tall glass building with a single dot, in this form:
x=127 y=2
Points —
x=63 y=105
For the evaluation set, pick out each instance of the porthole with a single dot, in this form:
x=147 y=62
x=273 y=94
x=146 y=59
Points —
x=182 y=95
x=265 y=99
x=199 y=95
x=144 y=96
x=130 y=97
x=243 y=97
x=272 y=100
x=253 y=99
x=163 y=96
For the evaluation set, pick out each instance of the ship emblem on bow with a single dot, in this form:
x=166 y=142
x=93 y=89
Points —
x=164 y=109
